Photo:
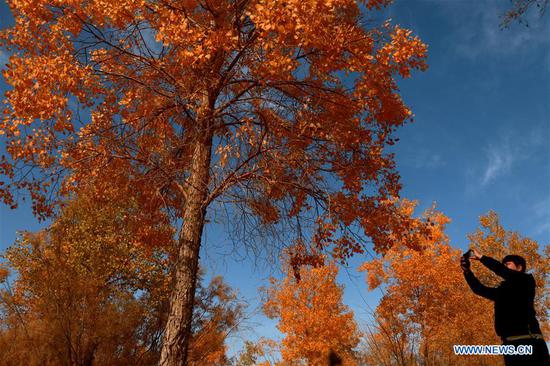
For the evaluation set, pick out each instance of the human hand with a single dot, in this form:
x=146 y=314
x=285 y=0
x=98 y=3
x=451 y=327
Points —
x=476 y=255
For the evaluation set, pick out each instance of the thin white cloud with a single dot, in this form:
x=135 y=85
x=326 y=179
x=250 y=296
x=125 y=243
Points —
x=505 y=153
x=434 y=161
x=542 y=208
x=543 y=229
x=426 y=160
x=478 y=32
x=541 y=218
x=499 y=162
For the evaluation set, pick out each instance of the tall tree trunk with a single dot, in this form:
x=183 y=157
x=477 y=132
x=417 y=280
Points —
x=177 y=332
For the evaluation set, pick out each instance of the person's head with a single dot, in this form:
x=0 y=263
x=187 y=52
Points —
x=515 y=262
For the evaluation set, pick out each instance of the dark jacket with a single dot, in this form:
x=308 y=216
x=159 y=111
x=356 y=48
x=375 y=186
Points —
x=514 y=299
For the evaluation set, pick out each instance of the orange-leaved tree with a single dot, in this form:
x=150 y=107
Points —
x=427 y=307
x=281 y=108
x=312 y=317
x=85 y=292
x=217 y=315
x=262 y=352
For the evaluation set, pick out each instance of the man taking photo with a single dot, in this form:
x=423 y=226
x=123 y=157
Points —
x=515 y=318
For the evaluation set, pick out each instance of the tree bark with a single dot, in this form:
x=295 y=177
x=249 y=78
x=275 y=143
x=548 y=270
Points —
x=177 y=331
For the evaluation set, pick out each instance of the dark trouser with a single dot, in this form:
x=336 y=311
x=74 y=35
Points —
x=538 y=358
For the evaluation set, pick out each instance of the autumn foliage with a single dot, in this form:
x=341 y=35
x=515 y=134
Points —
x=133 y=124
x=217 y=315
x=85 y=292
x=312 y=317
x=428 y=307
x=281 y=108
x=72 y=301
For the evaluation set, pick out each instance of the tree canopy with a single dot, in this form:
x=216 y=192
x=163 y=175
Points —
x=282 y=109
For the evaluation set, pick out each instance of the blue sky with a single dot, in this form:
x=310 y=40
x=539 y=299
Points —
x=480 y=139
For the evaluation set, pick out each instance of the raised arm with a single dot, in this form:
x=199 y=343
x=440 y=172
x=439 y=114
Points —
x=479 y=289
x=497 y=267
x=500 y=269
